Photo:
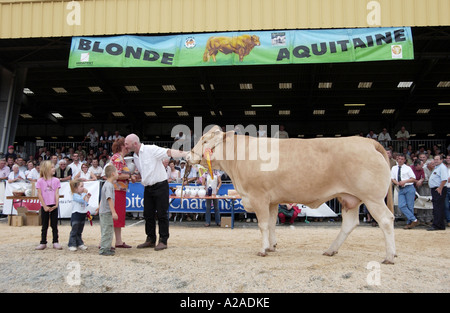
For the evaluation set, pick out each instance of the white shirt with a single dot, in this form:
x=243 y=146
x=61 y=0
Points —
x=382 y=136
x=149 y=164
x=97 y=171
x=405 y=174
x=75 y=168
x=33 y=174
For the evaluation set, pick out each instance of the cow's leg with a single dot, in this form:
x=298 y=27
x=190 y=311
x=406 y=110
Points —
x=273 y=214
x=262 y=213
x=385 y=219
x=350 y=219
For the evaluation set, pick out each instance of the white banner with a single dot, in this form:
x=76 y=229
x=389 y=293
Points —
x=65 y=203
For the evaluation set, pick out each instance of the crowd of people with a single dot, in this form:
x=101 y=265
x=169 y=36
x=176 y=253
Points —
x=87 y=163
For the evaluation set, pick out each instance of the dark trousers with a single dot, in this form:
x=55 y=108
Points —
x=77 y=221
x=156 y=206
x=438 y=207
x=51 y=217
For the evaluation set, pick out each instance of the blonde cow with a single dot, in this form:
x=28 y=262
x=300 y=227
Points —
x=269 y=171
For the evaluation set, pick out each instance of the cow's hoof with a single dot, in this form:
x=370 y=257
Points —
x=270 y=249
x=262 y=254
x=387 y=262
x=330 y=253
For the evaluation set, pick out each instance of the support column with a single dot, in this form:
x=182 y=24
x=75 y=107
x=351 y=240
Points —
x=11 y=96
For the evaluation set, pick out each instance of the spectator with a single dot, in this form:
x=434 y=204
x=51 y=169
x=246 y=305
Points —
x=182 y=168
x=4 y=170
x=402 y=136
x=372 y=135
x=11 y=153
x=437 y=182
x=30 y=166
x=288 y=212
x=106 y=141
x=116 y=136
x=10 y=161
x=47 y=156
x=63 y=172
x=75 y=165
x=22 y=153
x=96 y=169
x=22 y=164
x=403 y=176
x=215 y=184
x=174 y=174
x=34 y=174
x=59 y=154
x=384 y=137
x=84 y=174
x=80 y=151
x=54 y=160
x=447 y=199
x=92 y=135
x=16 y=175
x=281 y=133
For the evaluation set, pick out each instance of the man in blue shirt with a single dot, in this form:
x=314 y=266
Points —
x=437 y=182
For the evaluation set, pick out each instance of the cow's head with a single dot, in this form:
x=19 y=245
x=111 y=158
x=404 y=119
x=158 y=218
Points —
x=207 y=144
x=255 y=40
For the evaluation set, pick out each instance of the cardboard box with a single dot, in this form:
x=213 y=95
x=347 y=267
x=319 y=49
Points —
x=15 y=220
x=21 y=211
x=33 y=218
x=225 y=221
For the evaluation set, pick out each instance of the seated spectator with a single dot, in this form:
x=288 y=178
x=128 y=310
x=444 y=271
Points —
x=372 y=135
x=4 y=170
x=10 y=161
x=63 y=172
x=22 y=165
x=288 y=212
x=34 y=174
x=84 y=174
x=16 y=175
x=384 y=137
x=96 y=169
x=30 y=166
x=174 y=174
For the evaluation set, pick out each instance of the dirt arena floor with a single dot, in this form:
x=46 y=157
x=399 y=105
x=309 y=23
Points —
x=224 y=260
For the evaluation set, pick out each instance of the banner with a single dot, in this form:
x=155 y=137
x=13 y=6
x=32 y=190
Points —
x=65 y=203
x=244 y=48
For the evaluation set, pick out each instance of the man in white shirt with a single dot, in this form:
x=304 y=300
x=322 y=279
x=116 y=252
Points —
x=95 y=169
x=153 y=175
x=75 y=165
x=403 y=176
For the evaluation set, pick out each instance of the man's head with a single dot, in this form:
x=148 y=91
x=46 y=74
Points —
x=401 y=159
x=438 y=159
x=132 y=143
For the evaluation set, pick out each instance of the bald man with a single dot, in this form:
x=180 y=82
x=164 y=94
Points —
x=153 y=175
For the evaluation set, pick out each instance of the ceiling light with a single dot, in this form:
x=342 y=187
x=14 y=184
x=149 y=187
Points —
x=150 y=113
x=26 y=115
x=337 y=135
x=388 y=111
x=202 y=86
x=246 y=86
x=404 y=84
x=261 y=105
x=250 y=112
x=183 y=113
x=443 y=84
x=325 y=85
x=169 y=88
x=57 y=115
x=95 y=89
x=172 y=106
x=132 y=88
x=284 y=112
x=423 y=111
x=211 y=86
x=431 y=135
x=354 y=104
x=319 y=136
x=118 y=114
x=301 y=136
x=285 y=85
x=59 y=90
x=444 y=103
x=319 y=112
x=365 y=85
x=213 y=113
x=353 y=112
x=27 y=91
x=86 y=114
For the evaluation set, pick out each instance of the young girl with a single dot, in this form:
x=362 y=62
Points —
x=80 y=205
x=48 y=192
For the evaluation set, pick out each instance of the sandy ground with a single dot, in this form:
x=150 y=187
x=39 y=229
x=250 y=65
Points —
x=224 y=260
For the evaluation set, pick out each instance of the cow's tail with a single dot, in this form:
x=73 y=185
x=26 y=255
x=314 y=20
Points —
x=389 y=196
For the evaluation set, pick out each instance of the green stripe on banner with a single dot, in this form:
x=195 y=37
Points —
x=244 y=48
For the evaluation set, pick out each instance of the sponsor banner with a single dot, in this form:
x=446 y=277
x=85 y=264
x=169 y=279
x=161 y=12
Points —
x=244 y=48
x=135 y=201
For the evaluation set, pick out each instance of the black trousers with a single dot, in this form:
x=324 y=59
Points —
x=53 y=217
x=156 y=206
x=438 y=208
